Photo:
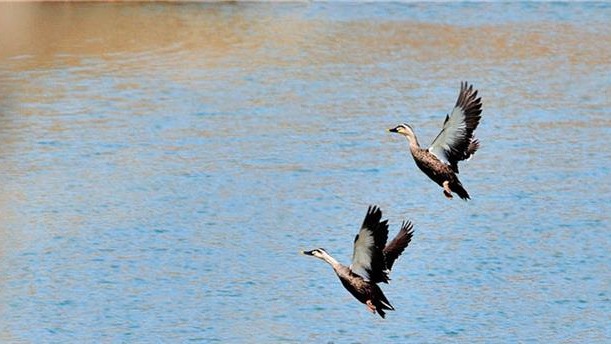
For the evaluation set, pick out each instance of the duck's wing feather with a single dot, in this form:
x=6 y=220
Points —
x=454 y=142
x=393 y=250
x=368 y=256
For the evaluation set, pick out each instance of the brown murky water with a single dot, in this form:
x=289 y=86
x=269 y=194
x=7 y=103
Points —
x=162 y=165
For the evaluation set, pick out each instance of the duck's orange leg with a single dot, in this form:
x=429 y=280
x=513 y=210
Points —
x=370 y=306
x=446 y=189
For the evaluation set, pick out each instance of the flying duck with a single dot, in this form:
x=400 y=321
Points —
x=454 y=143
x=372 y=260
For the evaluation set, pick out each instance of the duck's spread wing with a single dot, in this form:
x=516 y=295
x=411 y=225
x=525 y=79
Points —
x=393 y=250
x=368 y=257
x=454 y=142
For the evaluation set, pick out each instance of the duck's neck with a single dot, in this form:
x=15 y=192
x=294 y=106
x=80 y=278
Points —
x=413 y=142
x=334 y=263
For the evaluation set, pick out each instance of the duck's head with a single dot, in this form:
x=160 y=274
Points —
x=403 y=129
x=318 y=253
x=407 y=131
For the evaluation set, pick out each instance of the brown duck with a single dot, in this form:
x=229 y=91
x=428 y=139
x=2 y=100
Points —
x=372 y=260
x=454 y=143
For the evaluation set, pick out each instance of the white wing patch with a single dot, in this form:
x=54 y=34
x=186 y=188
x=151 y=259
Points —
x=363 y=252
x=454 y=130
x=387 y=304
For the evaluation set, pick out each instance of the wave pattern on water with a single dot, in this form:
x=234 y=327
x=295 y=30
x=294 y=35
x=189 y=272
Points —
x=164 y=164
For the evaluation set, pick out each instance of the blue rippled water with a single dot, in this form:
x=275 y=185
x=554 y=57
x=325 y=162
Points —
x=164 y=164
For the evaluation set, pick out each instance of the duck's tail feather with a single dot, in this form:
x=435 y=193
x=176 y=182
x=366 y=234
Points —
x=460 y=191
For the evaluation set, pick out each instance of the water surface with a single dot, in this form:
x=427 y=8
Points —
x=163 y=165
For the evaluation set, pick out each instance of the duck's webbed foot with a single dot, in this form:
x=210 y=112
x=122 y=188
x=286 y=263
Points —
x=446 y=189
x=370 y=306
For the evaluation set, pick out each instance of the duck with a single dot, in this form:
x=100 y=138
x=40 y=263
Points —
x=455 y=142
x=372 y=260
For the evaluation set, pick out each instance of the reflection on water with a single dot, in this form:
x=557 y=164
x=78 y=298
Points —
x=163 y=164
